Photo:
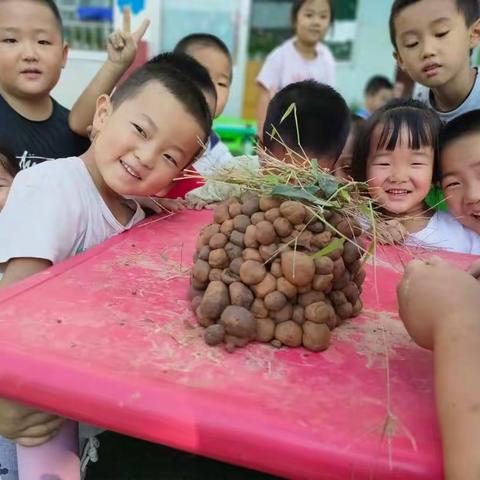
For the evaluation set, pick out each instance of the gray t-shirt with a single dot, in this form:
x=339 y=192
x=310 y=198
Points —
x=472 y=102
x=8 y=460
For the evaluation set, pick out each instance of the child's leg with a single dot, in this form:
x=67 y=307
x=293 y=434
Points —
x=55 y=460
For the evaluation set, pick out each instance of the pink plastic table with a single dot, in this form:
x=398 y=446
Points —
x=108 y=338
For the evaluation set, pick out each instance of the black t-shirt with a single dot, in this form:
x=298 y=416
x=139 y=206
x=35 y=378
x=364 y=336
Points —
x=34 y=142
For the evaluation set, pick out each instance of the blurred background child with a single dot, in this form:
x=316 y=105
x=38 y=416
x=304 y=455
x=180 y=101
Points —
x=378 y=92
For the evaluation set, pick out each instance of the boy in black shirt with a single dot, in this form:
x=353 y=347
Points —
x=32 y=54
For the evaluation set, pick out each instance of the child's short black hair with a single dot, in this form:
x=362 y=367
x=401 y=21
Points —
x=377 y=83
x=167 y=72
x=298 y=4
x=8 y=161
x=466 y=124
x=322 y=114
x=423 y=127
x=190 y=67
x=469 y=8
x=202 y=40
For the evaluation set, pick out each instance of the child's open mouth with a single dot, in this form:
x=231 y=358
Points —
x=398 y=192
x=130 y=170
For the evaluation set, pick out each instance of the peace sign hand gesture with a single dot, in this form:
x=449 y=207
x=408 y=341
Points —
x=122 y=44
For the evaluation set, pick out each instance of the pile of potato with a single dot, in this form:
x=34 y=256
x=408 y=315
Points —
x=252 y=281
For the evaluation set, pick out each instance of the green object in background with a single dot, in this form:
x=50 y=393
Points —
x=436 y=200
x=237 y=134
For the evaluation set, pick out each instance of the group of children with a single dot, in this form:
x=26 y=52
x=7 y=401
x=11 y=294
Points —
x=115 y=152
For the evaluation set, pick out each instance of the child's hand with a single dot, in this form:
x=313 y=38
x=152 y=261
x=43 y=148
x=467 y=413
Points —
x=393 y=232
x=170 y=204
x=433 y=295
x=27 y=426
x=122 y=44
x=474 y=269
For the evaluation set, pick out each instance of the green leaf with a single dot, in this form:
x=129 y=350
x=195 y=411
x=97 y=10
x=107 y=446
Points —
x=288 y=112
x=328 y=184
x=335 y=244
x=299 y=193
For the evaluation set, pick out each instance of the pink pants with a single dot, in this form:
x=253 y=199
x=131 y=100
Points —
x=57 y=459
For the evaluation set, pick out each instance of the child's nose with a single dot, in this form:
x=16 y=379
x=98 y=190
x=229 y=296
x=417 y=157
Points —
x=398 y=174
x=472 y=193
x=428 y=49
x=29 y=51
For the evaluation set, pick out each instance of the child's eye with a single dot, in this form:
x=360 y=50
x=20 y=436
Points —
x=9 y=40
x=442 y=34
x=44 y=42
x=451 y=184
x=222 y=84
x=140 y=130
x=170 y=159
x=411 y=45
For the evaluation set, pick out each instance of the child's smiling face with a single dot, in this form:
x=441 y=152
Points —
x=460 y=166
x=399 y=180
x=142 y=145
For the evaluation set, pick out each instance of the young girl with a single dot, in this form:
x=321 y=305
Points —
x=397 y=154
x=146 y=134
x=302 y=57
x=8 y=170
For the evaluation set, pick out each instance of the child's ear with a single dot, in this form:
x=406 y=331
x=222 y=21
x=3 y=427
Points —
x=398 y=59
x=65 y=54
x=475 y=34
x=103 y=111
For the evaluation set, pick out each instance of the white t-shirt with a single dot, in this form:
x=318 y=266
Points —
x=445 y=232
x=55 y=211
x=285 y=66
x=472 y=102
x=216 y=157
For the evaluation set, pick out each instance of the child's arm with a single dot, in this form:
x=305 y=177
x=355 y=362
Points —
x=122 y=49
x=440 y=306
x=262 y=105
x=20 y=268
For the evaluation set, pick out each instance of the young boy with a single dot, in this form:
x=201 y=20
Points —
x=439 y=305
x=146 y=134
x=32 y=54
x=433 y=40
x=460 y=168
x=323 y=127
x=378 y=92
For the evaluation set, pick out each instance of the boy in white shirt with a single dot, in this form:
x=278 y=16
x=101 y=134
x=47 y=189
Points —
x=433 y=41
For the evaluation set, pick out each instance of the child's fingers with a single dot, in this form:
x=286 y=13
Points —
x=127 y=19
x=117 y=39
x=43 y=429
x=138 y=34
x=36 y=441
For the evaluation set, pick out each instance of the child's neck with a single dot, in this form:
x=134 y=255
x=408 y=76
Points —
x=452 y=94
x=416 y=219
x=115 y=202
x=36 y=109
x=306 y=50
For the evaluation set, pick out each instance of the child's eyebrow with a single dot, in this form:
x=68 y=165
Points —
x=414 y=31
x=456 y=172
x=150 y=121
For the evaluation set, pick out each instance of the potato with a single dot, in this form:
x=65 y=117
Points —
x=351 y=293
x=355 y=267
x=209 y=231
x=259 y=309
x=323 y=265
x=250 y=239
x=214 y=335
x=316 y=227
x=237 y=237
x=266 y=203
x=193 y=292
x=321 y=240
x=282 y=315
x=238 y=321
x=218 y=258
x=300 y=227
x=276 y=268
x=338 y=268
x=304 y=288
x=322 y=283
x=240 y=295
x=345 y=310
x=275 y=301
x=294 y=212
x=265 y=330
x=287 y=288
x=227 y=227
x=235 y=265
x=298 y=315
x=357 y=308
x=241 y=222
x=305 y=239
x=201 y=270
x=228 y=277
x=337 y=298
x=335 y=219
x=351 y=253
x=252 y=254
x=336 y=254
x=268 y=252
x=276 y=343
x=220 y=214
x=316 y=337
x=272 y=214
x=289 y=333
x=198 y=285
x=215 y=300
x=359 y=278
x=251 y=205
x=252 y=273
x=232 y=342
x=345 y=228
x=219 y=240
x=234 y=209
x=215 y=275
x=257 y=217
x=298 y=268
x=203 y=319
x=265 y=233
x=233 y=251
x=319 y=312
x=266 y=286
x=282 y=227
x=196 y=301
x=308 y=298
x=342 y=282
x=204 y=253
